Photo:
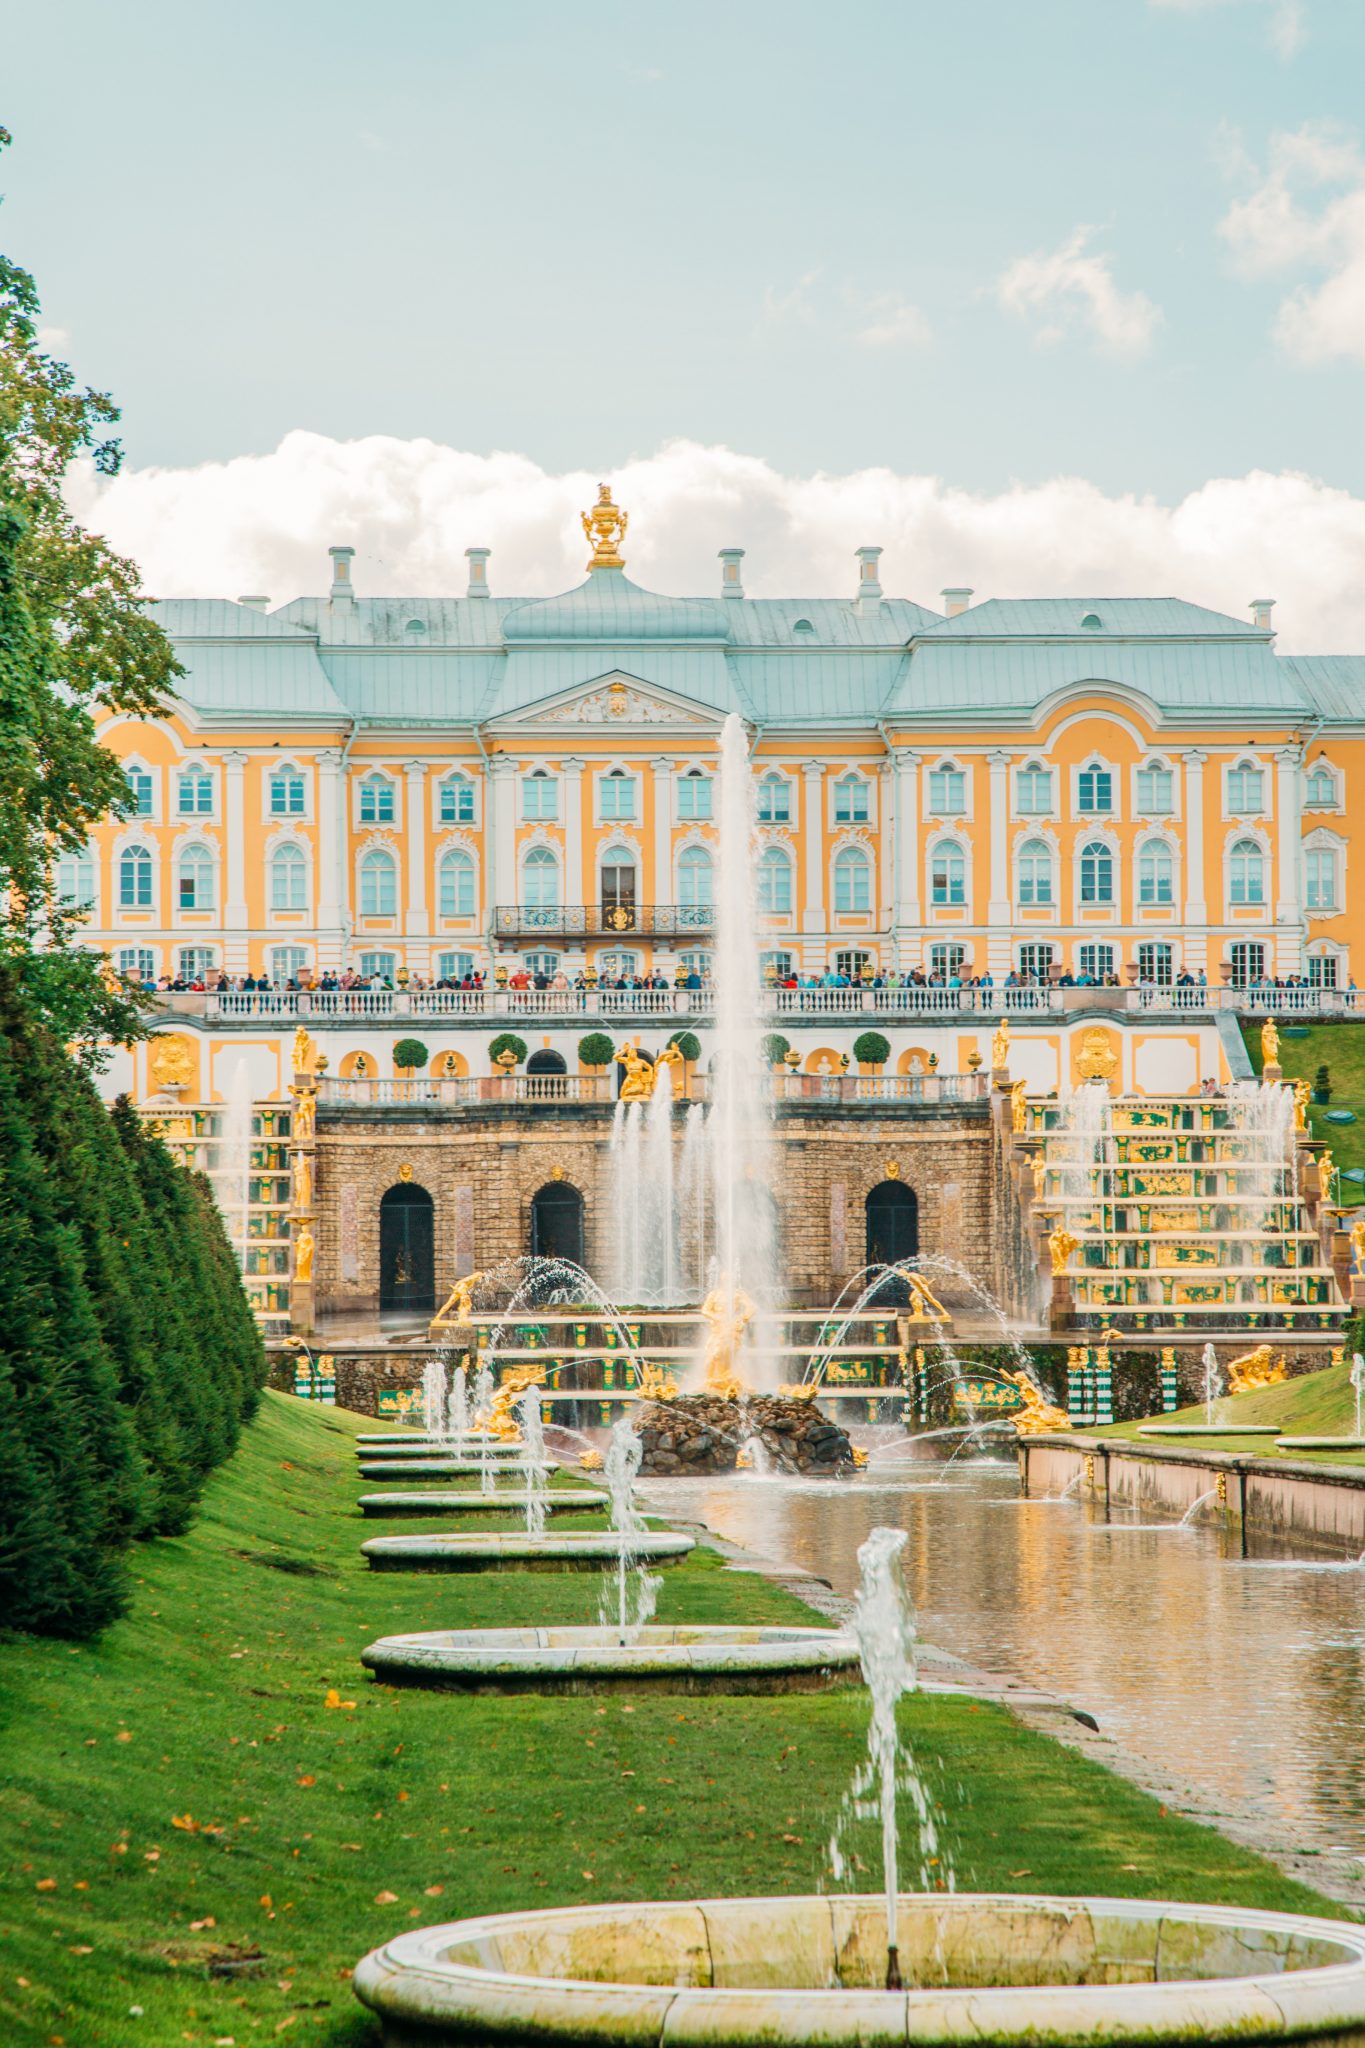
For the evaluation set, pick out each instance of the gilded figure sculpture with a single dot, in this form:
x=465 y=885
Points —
x=171 y=1062
x=303 y=1181
x=305 y=1053
x=1301 y=1092
x=727 y=1313
x=605 y=527
x=1358 y=1246
x=461 y=1300
x=671 y=1058
x=1000 y=1046
x=1019 y=1106
x=305 y=1113
x=304 y=1247
x=1256 y=1369
x=654 y=1383
x=1061 y=1243
x=638 y=1084
x=1270 y=1043
x=1326 y=1169
x=1036 y=1415
x=1096 y=1060
x=502 y=1421
x=925 y=1307
x=1038 y=1168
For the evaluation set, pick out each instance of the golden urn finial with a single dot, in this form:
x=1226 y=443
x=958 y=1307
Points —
x=605 y=527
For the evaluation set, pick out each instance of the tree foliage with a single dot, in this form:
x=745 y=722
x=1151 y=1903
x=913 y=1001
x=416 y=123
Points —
x=596 y=1050
x=688 y=1044
x=775 y=1048
x=76 y=642
x=410 y=1054
x=871 y=1049
x=507 y=1041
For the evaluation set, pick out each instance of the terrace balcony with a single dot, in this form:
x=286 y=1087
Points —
x=424 y=1093
x=603 y=920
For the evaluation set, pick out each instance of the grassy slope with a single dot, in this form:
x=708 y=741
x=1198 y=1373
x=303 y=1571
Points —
x=1315 y=1404
x=208 y=1703
x=1341 y=1047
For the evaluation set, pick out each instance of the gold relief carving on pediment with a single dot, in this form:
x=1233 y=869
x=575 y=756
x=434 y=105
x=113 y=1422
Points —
x=616 y=703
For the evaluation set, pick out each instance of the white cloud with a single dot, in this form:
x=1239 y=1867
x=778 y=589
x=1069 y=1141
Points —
x=895 y=324
x=1067 y=289
x=410 y=508
x=1308 y=214
x=1286 y=29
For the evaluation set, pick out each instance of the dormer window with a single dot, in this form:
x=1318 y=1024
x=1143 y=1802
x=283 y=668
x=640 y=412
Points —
x=416 y=629
x=803 y=626
x=1092 y=623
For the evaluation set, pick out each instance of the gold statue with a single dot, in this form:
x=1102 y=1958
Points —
x=1019 y=1105
x=1270 y=1044
x=605 y=527
x=461 y=1299
x=1000 y=1046
x=1036 y=1415
x=303 y=1181
x=669 y=1057
x=1096 y=1060
x=638 y=1085
x=1358 y=1246
x=1326 y=1169
x=924 y=1306
x=590 y=1460
x=1300 y=1105
x=303 y=1254
x=305 y=1053
x=728 y=1314
x=1038 y=1168
x=654 y=1383
x=502 y=1421
x=801 y=1390
x=305 y=1112
x=1061 y=1244
x=1256 y=1369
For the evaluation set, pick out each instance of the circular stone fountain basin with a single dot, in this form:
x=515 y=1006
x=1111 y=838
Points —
x=977 y=1968
x=1207 y=1429
x=444 y=1468
x=569 y=1500
x=577 y=1660
x=1321 y=1443
x=583 y=1553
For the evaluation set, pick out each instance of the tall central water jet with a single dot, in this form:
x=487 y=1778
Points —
x=739 y=1118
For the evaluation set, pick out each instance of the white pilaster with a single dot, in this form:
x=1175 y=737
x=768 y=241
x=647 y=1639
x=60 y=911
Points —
x=235 y=916
x=663 y=832
x=574 y=891
x=418 y=920
x=1196 y=906
x=908 y=915
x=998 y=907
x=331 y=858
x=813 y=825
x=886 y=847
x=502 y=840
x=1288 y=894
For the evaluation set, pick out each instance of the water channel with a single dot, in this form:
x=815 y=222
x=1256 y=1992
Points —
x=1239 y=1678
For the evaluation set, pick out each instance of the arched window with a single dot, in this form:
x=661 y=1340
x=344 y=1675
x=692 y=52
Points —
x=194 y=793
x=194 y=879
x=1155 y=790
x=456 y=878
x=1094 y=789
x=1320 y=790
x=1245 y=791
x=376 y=800
x=1035 y=871
x=694 y=795
x=1097 y=873
x=694 y=879
x=1156 y=872
x=1320 y=878
x=540 y=879
x=617 y=794
x=539 y=795
x=76 y=881
x=457 y=800
x=852 y=880
x=286 y=791
x=135 y=879
x=774 y=800
x=850 y=800
x=947 y=791
x=1033 y=787
x=1246 y=872
x=378 y=884
x=774 y=883
x=288 y=878
x=947 y=873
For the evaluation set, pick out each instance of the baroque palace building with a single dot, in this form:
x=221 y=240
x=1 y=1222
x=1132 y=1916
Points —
x=431 y=786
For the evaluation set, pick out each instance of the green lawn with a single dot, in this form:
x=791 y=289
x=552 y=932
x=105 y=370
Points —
x=217 y=1778
x=1341 y=1048
x=1314 y=1404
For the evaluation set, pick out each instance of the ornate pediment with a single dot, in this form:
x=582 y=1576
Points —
x=616 y=700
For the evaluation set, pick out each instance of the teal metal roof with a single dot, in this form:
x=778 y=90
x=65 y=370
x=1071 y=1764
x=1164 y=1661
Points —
x=1180 y=677
x=1333 y=683
x=610 y=607
x=1119 y=618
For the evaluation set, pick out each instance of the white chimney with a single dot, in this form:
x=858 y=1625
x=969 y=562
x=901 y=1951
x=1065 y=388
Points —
x=869 y=582
x=956 y=600
x=1261 y=608
x=731 y=580
x=343 y=590
x=477 y=559
x=255 y=604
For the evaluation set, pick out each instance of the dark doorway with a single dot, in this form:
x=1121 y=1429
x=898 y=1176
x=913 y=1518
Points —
x=407 y=1250
x=892 y=1224
x=557 y=1222
x=546 y=1063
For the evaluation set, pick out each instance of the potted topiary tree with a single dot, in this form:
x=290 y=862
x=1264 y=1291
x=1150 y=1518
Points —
x=507 y=1051
x=596 y=1050
x=1322 y=1084
x=410 y=1056
x=689 y=1045
x=775 y=1048
x=871 y=1051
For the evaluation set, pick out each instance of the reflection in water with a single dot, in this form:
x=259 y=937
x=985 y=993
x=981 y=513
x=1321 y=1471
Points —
x=1241 y=1678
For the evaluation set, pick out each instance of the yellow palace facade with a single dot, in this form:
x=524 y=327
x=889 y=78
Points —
x=433 y=787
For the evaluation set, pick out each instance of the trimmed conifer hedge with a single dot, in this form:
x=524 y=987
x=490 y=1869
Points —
x=129 y=1357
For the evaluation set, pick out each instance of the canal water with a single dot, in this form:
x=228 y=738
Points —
x=1243 y=1679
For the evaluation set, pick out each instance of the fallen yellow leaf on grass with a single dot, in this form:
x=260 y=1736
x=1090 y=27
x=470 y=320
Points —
x=386 y=1898
x=308 y=1779
x=198 y=1926
x=186 y=1822
x=124 y=1735
x=433 y=1891
x=334 y=1699
x=46 y=1884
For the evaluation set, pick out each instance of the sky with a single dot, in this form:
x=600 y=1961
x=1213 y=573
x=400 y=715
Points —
x=1051 y=298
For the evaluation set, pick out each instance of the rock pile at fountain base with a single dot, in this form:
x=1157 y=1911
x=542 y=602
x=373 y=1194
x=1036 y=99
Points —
x=702 y=1433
